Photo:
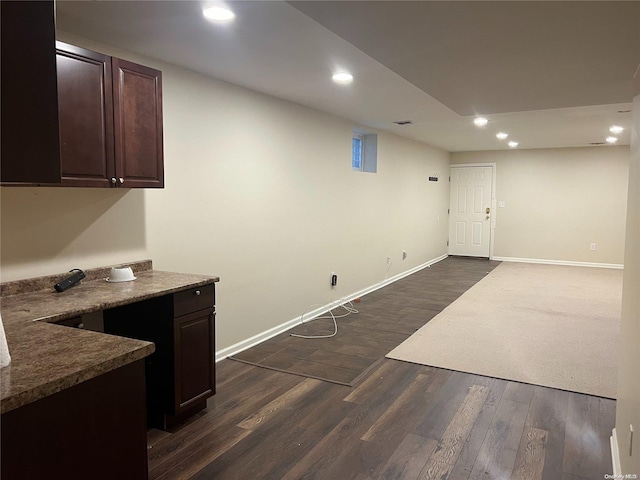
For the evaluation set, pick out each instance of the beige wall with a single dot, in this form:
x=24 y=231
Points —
x=52 y=230
x=628 y=405
x=258 y=191
x=558 y=202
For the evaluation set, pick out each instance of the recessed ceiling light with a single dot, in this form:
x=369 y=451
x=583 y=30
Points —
x=502 y=135
x=342 y=78
x=513 y=144
x=616 y=129
x=218 y=14
x=480 y=121
x=611 y=139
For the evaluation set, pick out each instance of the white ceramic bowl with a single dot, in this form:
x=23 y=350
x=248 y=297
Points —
x=121 y=274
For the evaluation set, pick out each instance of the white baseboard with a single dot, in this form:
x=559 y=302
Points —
x=558 y=262
x=256 y=339
x=615 y=455
x=283 y=327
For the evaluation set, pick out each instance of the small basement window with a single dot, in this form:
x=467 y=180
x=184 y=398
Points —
x=356 y=152
x=364 y=152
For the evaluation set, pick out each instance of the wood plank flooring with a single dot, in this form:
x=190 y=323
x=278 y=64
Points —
x=400 y=421
x=386 y=318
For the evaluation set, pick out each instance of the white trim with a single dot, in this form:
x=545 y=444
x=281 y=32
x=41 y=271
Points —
x=494 y=203
x=283 y=327
x=615 y=455
x=559 y=262
x=485 y=164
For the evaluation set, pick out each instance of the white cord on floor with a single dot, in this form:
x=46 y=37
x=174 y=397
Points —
x=338 y=303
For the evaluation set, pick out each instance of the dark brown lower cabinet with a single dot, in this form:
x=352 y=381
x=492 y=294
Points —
x=181 y=372
x=96 y=429
x=194 y=356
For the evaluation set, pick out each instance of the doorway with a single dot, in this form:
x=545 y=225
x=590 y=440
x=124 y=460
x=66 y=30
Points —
x=471 y=210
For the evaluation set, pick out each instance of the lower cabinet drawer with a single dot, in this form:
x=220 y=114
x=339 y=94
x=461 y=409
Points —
x=194 y=299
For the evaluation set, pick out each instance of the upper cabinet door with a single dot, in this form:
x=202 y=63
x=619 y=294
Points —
x=86 y=117
x=30 y=145
x=137 y=92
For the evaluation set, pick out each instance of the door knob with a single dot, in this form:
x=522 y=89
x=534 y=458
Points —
x=121 y=180
x=113 y=180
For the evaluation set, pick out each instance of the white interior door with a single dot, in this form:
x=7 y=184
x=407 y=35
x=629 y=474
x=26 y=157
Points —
x=470 y=211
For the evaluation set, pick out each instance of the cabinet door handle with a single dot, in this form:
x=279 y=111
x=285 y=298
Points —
x=197 y=292
x=113 y=180
x=121 y=180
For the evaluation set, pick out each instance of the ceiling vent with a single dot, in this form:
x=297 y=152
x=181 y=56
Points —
x=404 y=122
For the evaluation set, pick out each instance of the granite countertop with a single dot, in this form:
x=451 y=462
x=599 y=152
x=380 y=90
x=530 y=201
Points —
x=47 y=358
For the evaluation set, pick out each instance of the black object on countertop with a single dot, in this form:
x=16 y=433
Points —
x=70 y=281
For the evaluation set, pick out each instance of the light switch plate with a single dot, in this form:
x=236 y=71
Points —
x=502 y=204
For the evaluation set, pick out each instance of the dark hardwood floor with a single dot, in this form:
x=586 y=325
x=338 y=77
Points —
x=400 y=421
x=386 y=318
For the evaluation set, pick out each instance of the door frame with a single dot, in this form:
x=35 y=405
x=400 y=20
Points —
x=493 y=166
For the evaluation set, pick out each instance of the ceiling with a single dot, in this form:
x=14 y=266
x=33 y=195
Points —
x=551 y=74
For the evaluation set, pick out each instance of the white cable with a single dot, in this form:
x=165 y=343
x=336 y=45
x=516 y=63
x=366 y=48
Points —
x=349 y=309
x=388 y=268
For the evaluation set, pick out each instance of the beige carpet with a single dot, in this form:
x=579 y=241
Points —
x=547 y=325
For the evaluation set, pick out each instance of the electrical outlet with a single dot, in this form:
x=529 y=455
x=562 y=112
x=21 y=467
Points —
x=334 y=279
x=388 y=260
x=592 y=247
x=404 y=254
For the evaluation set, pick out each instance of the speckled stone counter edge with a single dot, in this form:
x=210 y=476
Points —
x=142 y=350
x=27 y=285
x=72 y=355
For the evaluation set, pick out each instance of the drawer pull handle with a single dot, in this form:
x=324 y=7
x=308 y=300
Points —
x=197 y=292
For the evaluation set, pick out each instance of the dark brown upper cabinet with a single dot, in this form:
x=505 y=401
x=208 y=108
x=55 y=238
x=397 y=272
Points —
x=110 y=120
x=85 y=105
x=137 y=92
x=30 y=144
